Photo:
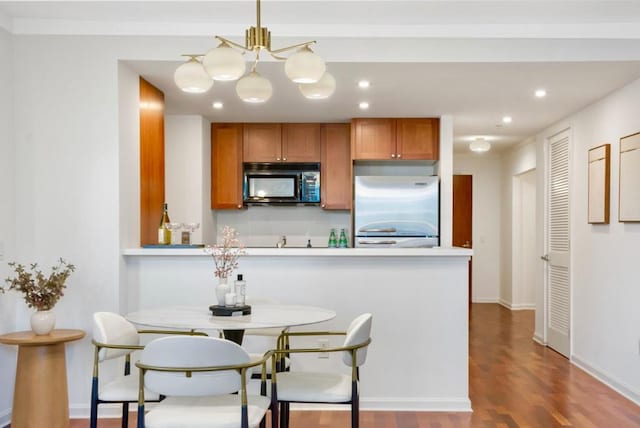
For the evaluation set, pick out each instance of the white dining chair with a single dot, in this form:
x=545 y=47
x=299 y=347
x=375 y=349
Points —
x=115 y=337
x=199 y=377
x=333 y=388
x=257 y=341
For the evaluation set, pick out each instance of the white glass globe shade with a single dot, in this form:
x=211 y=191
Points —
x=479 y=145
x=321 y=89
x=254 y=88
x=304 y=66
x=224 y=63
x=191 y=77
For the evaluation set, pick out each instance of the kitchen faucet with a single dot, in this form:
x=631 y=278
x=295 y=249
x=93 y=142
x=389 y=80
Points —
x=282 y=242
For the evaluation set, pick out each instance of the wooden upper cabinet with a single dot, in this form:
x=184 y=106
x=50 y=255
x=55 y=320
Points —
x=301 y=142
x=226 y=166
x=418 y=139
x=287 y=142
x=151 y=161
x=262 y=142
x=335 y=174
x=395 y=139
x=373 y=139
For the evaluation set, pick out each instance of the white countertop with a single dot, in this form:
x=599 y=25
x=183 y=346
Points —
x=312 y=252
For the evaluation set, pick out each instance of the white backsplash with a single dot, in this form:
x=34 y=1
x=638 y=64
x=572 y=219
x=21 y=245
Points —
x=262 y=226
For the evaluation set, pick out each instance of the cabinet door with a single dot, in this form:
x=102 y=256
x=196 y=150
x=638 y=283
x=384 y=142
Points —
x=301 y=142
x=374 y=139
x=226 y=166
x=418 y=139
x=335 y=174
x=262 y=142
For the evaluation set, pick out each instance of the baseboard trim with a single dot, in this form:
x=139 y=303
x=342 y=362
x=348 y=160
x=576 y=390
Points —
x=5 y=418
x=618 y=386
x=485 y=300
x=539 y=339
x=444 y=404
x=505 y=303
x=517 y=306
x=106 y=410
x=381 y=404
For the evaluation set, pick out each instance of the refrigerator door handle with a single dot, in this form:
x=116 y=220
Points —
x=377 y=242
x=377 y=230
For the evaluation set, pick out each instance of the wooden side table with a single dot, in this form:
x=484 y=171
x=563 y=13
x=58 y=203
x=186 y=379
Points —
x=40 y=396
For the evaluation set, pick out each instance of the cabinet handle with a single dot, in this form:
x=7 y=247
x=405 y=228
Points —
x=284 y=159
x=277 y=159
x=323 y=205
x=393 y=155
x=399 y=156
x=239 y=207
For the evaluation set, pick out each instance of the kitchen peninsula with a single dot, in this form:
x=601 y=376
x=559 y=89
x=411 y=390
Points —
x=418 y=359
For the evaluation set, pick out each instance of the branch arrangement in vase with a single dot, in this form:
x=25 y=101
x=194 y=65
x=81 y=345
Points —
x=226 y=252
x=40 y=291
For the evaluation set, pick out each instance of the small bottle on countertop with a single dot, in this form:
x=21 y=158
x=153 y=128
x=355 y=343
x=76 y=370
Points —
x=308 y=243
x=240 y=288
x=342 y=242
x=333 y=243
x=164 y=234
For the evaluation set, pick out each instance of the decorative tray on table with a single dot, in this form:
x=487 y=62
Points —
x=228 y=311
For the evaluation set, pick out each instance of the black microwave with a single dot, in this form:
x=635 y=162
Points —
x=281 y=183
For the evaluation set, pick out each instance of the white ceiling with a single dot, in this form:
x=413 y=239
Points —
x=476 y=60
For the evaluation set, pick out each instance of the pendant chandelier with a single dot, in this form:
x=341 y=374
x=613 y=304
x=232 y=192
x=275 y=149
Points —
x=224 y=63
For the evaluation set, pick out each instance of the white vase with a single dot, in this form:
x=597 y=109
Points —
x=42 y=322
x=222 y=289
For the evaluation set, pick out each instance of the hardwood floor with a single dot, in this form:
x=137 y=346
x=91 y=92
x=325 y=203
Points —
x=514 y=382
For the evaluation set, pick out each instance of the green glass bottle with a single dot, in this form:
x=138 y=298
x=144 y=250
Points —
x=342 y=242
x=333 y=243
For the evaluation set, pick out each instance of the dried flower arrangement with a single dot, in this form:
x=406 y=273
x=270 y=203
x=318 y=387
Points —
x=225 y=254
x=40 y=292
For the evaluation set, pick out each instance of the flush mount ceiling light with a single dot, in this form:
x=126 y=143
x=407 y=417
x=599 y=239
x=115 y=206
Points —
x=507 y=119
x=540 y=93
x=479 y=145
x=224 y=63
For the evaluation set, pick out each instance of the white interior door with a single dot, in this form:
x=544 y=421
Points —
x=558 y=302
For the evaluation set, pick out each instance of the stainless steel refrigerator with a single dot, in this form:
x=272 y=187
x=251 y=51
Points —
x=393 y=211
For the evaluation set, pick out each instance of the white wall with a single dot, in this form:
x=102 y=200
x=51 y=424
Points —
x=525 y=257
x=486 y=221
x=604 y=271
x=7 y=220
x=187 y=183
x=518 y=160
x=76 y=185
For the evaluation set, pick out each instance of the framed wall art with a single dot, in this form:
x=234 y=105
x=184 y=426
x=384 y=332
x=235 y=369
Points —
x=629 y=193
x=599 y=184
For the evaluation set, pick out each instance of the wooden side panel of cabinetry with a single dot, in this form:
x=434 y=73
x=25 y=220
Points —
x=418 y=139
x=151 y=161
x=301 y=142
x=373 y=139
x=262 y=142
x=335 y=174
x=226 y=166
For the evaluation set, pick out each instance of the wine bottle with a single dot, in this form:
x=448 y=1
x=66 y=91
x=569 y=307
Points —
x=164 y=234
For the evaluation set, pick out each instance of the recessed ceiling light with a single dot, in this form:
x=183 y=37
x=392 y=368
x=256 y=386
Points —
x=541 y=93
x=217 y=105
x=364 y=84
x=507 y=119
x=364 y=105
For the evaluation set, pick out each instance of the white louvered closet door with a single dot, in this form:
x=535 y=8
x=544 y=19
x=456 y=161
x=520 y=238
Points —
x=557 y=273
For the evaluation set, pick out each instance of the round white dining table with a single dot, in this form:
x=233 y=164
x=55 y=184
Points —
x=233 y=327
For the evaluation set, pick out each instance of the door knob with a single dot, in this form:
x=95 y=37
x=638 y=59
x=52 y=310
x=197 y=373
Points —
x=545 y=257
